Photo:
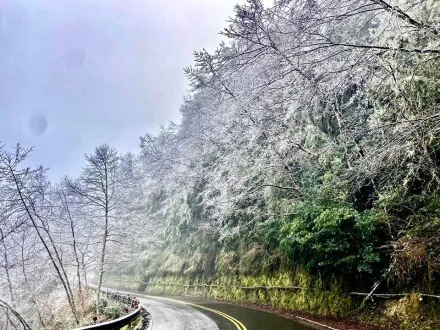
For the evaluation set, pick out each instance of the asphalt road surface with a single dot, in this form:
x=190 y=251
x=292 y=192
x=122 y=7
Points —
x=167 y=315
x=183 y=313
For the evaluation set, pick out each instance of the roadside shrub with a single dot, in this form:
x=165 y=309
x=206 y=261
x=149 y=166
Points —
x=113 y=310
x=330 y=239
x=109 y=308
x=103 y=303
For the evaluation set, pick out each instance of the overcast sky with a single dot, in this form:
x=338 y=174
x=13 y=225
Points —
x=77 y=73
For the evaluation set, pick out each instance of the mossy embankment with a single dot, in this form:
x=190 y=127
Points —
x=296 y=292
x=299 y=292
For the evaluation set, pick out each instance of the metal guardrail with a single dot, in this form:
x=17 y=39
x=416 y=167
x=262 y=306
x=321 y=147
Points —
x=376 y=295
x=213 y=285
x=123 y=321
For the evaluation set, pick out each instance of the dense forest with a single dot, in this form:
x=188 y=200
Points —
x=308 y=156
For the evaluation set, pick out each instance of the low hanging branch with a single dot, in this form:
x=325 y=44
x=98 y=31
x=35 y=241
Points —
x=387 y=48
x=395 y=10
x=8 y=307
x=251 y=191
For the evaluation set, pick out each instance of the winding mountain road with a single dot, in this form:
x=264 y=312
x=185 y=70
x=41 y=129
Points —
x=184 y=313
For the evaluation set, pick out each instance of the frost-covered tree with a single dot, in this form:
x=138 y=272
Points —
x=102 y=187
x=303 y=94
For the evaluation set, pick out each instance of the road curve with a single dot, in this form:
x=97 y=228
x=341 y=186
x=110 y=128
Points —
x=173 y=314
x=187 y=313
x=168 y=315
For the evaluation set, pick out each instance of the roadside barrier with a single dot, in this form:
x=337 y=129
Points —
x=376 y=295
x=214 y=285
x=133 y=311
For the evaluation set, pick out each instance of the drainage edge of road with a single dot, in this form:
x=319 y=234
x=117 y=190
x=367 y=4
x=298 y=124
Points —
x=150 y=324
x=316 y=323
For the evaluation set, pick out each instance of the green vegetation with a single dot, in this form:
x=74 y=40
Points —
x=111 y=309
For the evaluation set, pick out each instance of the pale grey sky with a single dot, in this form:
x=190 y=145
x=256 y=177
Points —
x=77 y=73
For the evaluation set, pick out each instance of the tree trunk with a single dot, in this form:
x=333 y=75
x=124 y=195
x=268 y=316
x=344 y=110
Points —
x=46 y=247
x=75 y=250
x=102 y=260
x=6 y=306
x=83 y=265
